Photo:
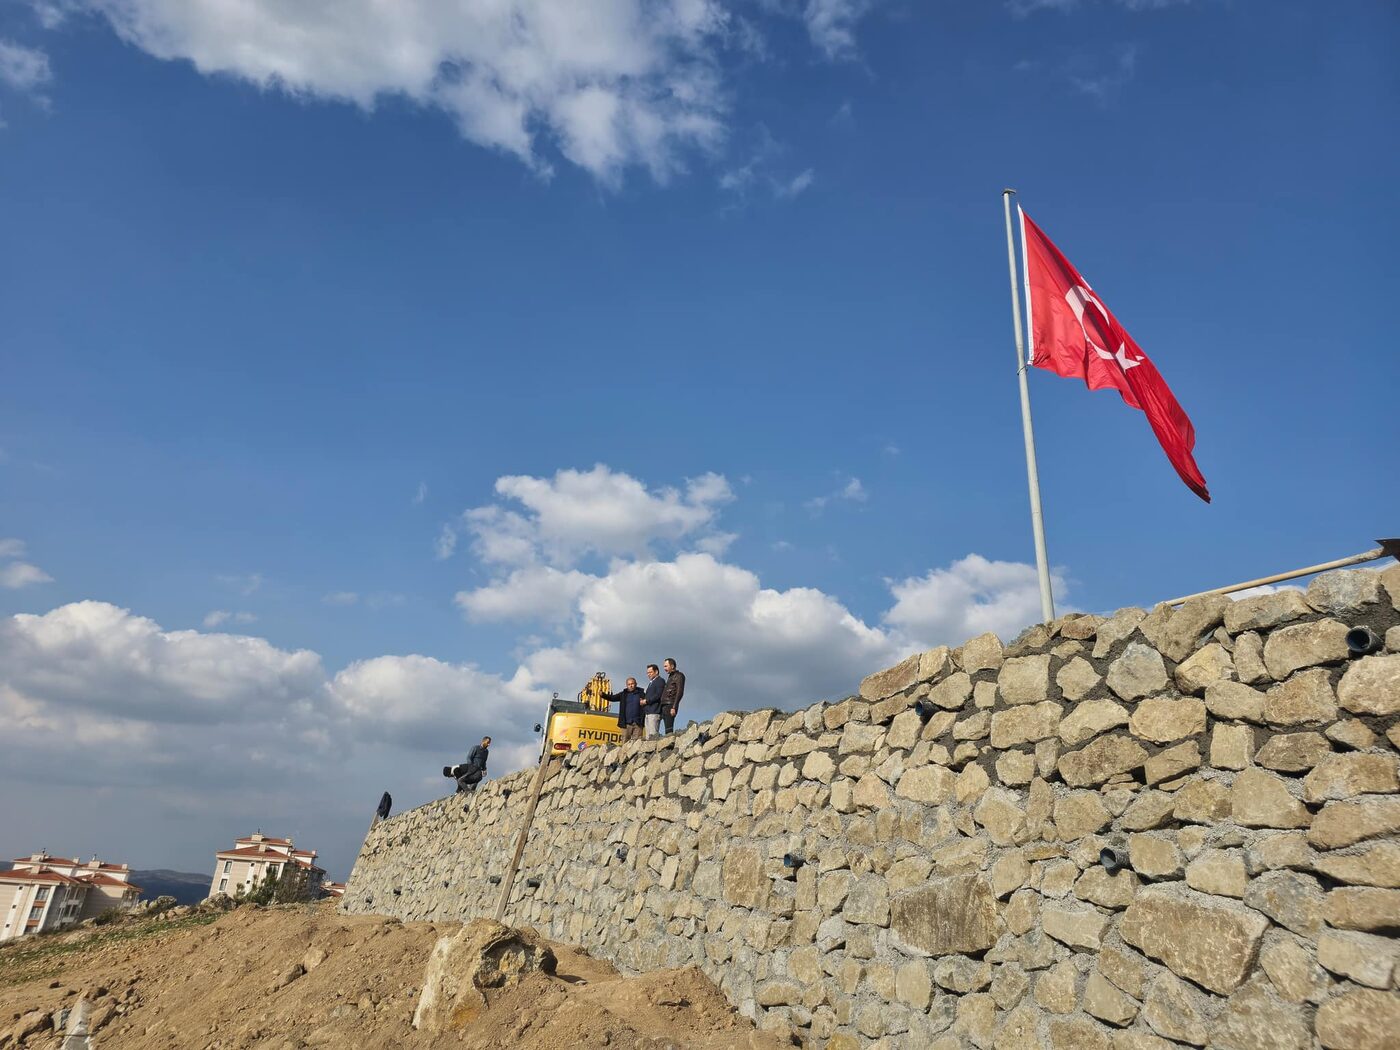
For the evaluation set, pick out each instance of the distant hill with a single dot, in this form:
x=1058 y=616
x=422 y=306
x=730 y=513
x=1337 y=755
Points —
x=187 y=887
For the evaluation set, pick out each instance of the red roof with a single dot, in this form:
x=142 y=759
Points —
x=107 y=880
x=43 y=860
x=272 y=841
x=38 y=876
x=249 y=851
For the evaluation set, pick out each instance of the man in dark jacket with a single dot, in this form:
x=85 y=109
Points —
x=671 y=695
x=470 y=772
x=651 y=703
x=629 y=710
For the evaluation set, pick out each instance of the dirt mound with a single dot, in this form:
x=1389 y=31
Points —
x=295 y=976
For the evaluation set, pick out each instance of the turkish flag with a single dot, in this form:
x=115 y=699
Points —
x=1073 y=334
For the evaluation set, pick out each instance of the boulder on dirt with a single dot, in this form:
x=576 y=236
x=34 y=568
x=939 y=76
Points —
x=483 y=954
x=218 y=902
x=160 y=904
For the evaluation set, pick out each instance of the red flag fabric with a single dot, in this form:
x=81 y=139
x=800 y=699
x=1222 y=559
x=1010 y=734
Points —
x=1073 y=334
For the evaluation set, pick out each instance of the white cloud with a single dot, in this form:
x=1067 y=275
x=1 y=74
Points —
x=744 y=645
x=534 y=592
x=340 y=598
x=12 y=548
x=19 y=574
x=853 y=491
x=1103 y=84
x=23 y=69
x=973 y=595
x=446 y=543
x=94 y=657
x=763 y=171
x=420 y=702
x=244 y=585
x=594 y=512
x=421 y=494
x=218 y=617
x=832 y=24
x=610 y=83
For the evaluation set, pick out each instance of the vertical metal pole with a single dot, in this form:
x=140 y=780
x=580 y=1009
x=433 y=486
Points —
x=1042 y=560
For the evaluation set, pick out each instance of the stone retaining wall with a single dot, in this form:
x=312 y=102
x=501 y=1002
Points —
x=948 y=888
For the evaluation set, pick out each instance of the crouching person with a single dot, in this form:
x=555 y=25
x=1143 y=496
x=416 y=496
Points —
x=468 y=775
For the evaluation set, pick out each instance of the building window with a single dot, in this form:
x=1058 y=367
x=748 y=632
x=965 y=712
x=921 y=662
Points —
x=227 y=864
x=43 y=894
x=223 y=885
x=35 y=912
x=272 y=871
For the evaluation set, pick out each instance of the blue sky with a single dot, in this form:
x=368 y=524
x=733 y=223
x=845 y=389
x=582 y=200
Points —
x=720 y=286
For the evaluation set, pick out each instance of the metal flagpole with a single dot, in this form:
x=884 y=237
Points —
x=1042 y=560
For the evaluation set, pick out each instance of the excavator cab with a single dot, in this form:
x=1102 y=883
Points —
x=586 y=721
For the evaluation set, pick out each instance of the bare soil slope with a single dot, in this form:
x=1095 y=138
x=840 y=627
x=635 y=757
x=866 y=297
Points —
x=305 y=976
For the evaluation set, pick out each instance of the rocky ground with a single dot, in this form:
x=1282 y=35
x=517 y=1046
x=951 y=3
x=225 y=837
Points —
x=293 y=976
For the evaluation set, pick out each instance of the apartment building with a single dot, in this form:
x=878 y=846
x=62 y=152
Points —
x=41 y=893
x=239 y=869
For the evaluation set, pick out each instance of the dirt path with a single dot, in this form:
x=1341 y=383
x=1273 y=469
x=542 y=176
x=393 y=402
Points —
x=304 y=976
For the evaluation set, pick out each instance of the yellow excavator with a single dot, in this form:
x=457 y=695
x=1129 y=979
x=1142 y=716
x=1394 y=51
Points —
x=573 y=725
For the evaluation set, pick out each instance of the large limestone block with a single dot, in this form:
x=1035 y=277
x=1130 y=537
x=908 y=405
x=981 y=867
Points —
x=1172 y=762
x=1362 y=1019
x=1024 y=679
x=935 y=663
x=818 y=766
x=1116 y=628
x=1343 y=823
x=1089 y=718
x=1202 y=938
x=1363 y=957
x=1137 y=673
x=928 y=784
x=1178 y=1011
x=1256 y=1019
x=892 y=680
x=483 y=954
x=1164 y=720
x=1025 y=724
x=1105 y=757
x=1077 y=925
x=953 y=692
x=1209 y=665
x=1367 y=864
x=951 y=915
x=745 y=882
x=1293 y=752
x=1259 y=799
x=1080 y=813
x=755 y=725
x=1266 y=610
x=1304 y=645
x=1338 y=777
x=1305 y=699
x=1004 y=819
x=1362 y=908
x=1218 y=871
x=1077 y=678
x=868 y=902
x=1235 y=701
x=1290 y=898
x=1176 y=632
x=1371 y=686
x=1248 y=655
x=1345 y=592
x=983 y=653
